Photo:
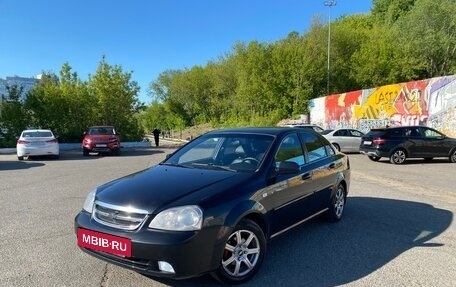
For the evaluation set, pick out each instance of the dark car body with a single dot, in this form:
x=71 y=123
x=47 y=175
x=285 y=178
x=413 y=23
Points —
x=101 y=139
x=400 y=143
x=236 y=189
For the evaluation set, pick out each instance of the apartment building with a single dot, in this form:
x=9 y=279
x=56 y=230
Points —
x=26 y=83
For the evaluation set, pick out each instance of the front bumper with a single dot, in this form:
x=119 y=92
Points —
x=101 y=147
x=189 y=253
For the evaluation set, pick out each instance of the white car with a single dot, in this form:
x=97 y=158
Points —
x=316 y=128
x=37 y=143
x=345 y=140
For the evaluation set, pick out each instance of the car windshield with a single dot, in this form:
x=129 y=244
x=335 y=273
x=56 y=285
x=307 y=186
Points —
x=233 y=152
x=37 y=134
x=101 y=131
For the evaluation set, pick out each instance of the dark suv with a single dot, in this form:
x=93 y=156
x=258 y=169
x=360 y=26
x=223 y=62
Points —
x=400 y=143
x=101 y=139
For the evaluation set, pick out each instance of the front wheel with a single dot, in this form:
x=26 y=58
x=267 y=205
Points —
x=20 y=157
x=337 y=204
x=398 y=156
x=243 y=255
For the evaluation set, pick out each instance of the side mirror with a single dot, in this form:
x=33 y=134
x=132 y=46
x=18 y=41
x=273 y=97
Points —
x=288 y=167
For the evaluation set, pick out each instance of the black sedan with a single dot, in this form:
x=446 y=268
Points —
x=212 y=205
x=400 y=143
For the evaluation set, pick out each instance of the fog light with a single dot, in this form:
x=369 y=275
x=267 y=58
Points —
x=165 y=267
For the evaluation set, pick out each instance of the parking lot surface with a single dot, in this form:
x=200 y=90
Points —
x=398 y=229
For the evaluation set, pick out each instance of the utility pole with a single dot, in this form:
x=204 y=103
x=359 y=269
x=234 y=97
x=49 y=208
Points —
x=329 y=3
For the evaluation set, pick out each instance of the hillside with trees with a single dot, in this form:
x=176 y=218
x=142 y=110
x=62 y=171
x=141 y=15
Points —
x=255 y=83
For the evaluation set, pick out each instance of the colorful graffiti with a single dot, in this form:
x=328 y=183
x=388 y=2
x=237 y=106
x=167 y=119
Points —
x=430 y=102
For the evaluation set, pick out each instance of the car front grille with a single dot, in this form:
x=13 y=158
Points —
x=120 y=217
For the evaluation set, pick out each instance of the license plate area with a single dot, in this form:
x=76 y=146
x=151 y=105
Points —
x=101 y=145
x=111 y=244
x=367 y=143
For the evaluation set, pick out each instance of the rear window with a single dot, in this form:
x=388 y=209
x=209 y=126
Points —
x=37 y=134
x=375 y=133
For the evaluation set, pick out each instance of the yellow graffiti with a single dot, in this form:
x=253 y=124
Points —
x=379 y=103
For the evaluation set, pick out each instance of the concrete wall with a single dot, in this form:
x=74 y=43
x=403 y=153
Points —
x=430 y=102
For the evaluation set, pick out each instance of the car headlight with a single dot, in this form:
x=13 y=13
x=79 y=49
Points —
x=88 y=203
x=182 y=218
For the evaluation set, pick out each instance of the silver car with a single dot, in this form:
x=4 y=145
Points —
x=345 y=140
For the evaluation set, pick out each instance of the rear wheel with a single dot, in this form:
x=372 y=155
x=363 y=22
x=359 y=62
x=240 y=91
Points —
x=20 y=157
x=374 y=158
x=244 y=252
x=337 y=204
x=453 y=156
x=398 y=156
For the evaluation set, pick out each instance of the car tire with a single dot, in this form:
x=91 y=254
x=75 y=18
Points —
x=336 y=146
x=398 y=156
x=373 y=158
x=453 y=156
x=337 y=204
x=241 y=261
x=85 y=152
x=116 y=152
x=20 y=158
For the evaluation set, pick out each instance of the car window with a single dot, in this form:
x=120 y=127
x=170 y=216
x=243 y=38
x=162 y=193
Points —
x=341 y=133
x=240 y=152
x=205 y=149
x=356 y=133
x=37 y=134
x=428 y=133
x=396 y=133
x=290 y=150
x=412 y=132
x=316 y=149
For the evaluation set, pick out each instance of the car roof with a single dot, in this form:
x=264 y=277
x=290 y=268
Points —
x=273 y=131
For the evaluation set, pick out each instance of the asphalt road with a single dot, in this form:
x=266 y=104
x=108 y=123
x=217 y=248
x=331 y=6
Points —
x=398 y=229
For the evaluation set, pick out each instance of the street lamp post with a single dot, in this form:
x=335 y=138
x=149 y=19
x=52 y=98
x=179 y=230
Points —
x=329 y=3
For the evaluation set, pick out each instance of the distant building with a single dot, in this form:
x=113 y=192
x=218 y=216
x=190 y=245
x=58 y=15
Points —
x=26 y=83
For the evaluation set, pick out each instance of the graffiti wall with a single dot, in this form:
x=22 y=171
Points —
x=430 y=102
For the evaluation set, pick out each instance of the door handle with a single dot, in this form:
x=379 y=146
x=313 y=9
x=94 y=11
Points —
x=331 y=166
x=307 y=175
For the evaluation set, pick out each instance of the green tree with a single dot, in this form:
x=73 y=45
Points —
x=13 y=116
x=114 y=96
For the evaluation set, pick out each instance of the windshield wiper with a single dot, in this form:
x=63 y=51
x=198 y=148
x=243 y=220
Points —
x=177 y=164
x=212 y=166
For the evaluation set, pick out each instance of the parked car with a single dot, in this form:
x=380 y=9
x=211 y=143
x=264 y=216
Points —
x=345 y=140
x=400 y=143
x=37 y=142
x=212 y=205
x=101 y=139
x=316 y=128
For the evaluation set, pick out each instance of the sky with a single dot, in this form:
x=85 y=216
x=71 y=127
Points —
x=146 y=37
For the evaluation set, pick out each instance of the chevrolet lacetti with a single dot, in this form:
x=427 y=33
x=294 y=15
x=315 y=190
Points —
x=213 y=204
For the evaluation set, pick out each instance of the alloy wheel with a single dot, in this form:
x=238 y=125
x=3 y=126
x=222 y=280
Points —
x=398 y=157
x=241 y=254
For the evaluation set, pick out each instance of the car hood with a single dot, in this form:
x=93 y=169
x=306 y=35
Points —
x=160 y=185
